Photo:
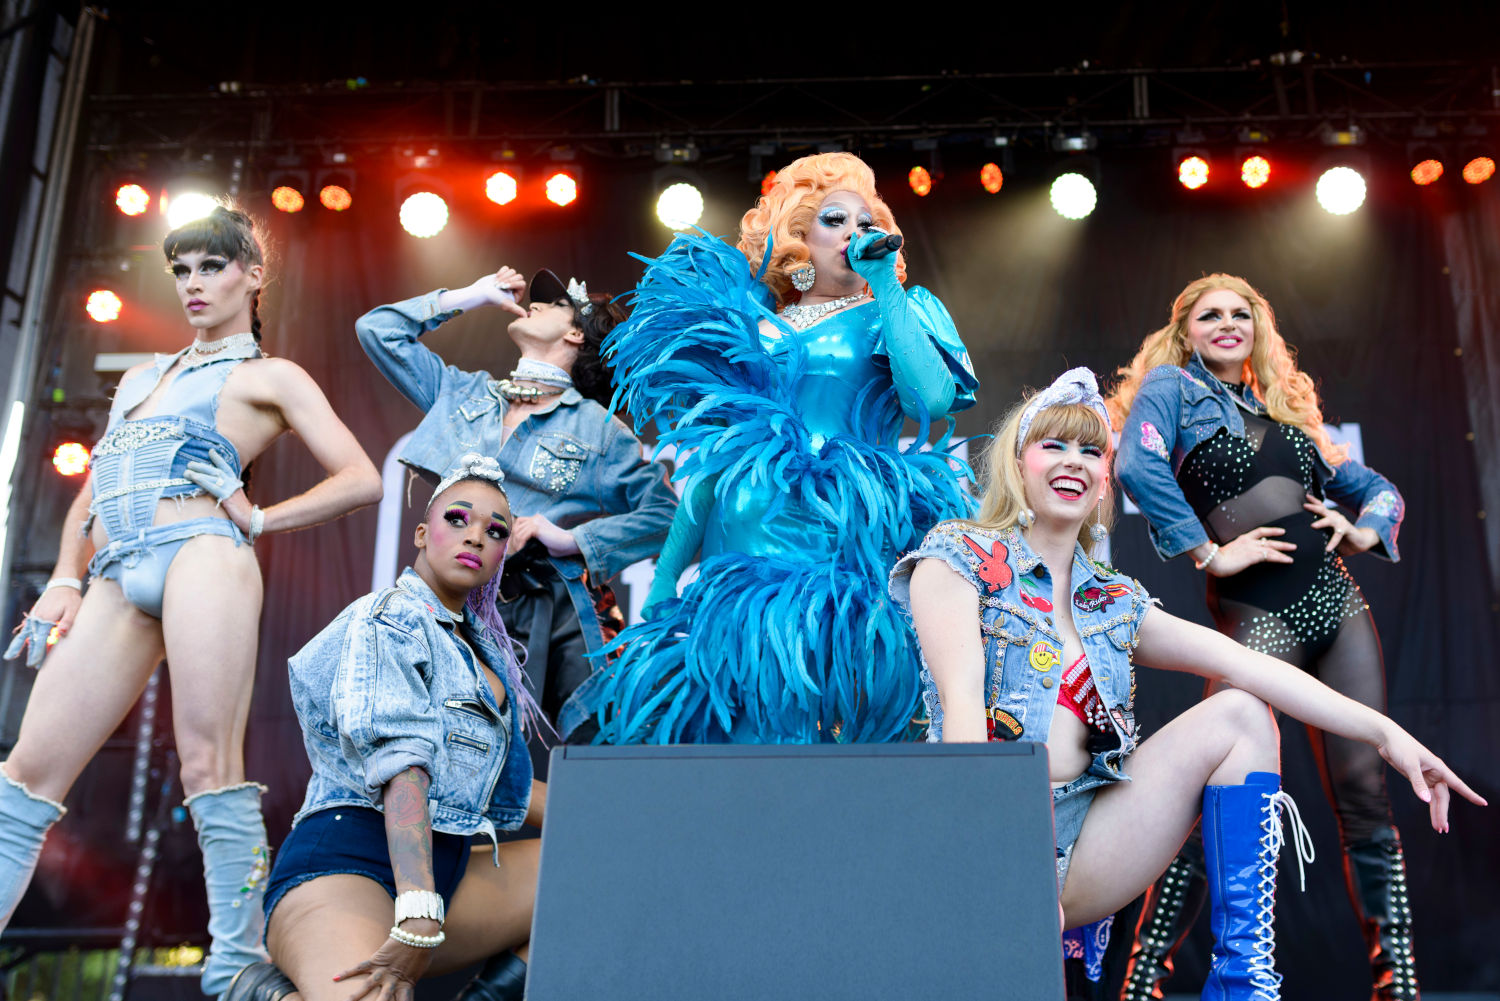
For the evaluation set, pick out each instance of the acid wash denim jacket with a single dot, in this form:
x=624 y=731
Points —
x=385 y=687
x=1175 y=410
x=1022 y=643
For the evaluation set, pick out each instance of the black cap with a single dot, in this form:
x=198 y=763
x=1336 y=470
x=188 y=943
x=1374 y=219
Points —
x=547 y=287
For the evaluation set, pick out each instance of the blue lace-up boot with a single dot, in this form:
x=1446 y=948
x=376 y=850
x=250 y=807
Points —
x=1242 y=837
x=24 y=820
x=236 y=861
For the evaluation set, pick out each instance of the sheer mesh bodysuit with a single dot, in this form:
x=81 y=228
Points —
x=1309 y=612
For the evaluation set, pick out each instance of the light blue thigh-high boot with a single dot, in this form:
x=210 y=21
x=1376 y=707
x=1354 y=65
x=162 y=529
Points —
x=236 y=861
x=1242 y=837
x=24 y=820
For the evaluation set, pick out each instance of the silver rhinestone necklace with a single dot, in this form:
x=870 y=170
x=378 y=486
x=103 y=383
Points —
x=801 y=317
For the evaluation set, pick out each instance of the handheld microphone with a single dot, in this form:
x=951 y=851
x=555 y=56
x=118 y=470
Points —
x=883 y=247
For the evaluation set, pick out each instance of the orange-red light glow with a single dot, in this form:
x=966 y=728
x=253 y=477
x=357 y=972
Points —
x=335 y=198
x=768 y=182
x=103 y=306
x=132 y=199
x=1192 y=172
x=1427 y=171
x=920 y=181
x=991 y=178
x=1479 y=170
x=561 y=188
x=70 y=458
x=500 y=187
x=1255 y=171
x=287 y=199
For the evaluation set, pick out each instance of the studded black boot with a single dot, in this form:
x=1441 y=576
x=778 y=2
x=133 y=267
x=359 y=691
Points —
x=1376 y=870
x=1172 y=905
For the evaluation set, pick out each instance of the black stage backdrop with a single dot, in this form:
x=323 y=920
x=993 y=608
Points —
x=1368 y=300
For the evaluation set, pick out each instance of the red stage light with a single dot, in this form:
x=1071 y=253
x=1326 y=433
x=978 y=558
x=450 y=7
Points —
x=920 y=181
x=335 y=198
x=1192 y=172
x=1479 y=170
x=287 y=199
x=768 y=182
x=1255 y=171
x=562 y=189
x=1427 y=171
x=132 y=199
x=103 y=306
x=70 y=458
x=500 y=187
x=991 y=178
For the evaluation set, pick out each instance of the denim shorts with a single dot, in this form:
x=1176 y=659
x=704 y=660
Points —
x=1070 y=805
x=350 y=840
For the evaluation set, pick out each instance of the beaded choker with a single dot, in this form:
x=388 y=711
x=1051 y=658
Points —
x=801 y=317
x=201 y=352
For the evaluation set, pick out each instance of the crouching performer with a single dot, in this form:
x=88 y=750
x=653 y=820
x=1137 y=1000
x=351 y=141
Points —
x=173 y=575
x=412 y=710
x=1024 y=637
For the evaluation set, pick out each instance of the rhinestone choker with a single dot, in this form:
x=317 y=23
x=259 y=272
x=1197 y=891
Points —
x=801 y=317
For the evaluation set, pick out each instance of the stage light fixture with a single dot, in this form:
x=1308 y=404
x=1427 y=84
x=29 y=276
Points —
x=187 y=206
x=920 y=179
x=501 y=187
x=1479 y=169
x=132 y=199
x=1426 y=171
x=561 y=188
x=103 y=306
x=335 y=198
x=70 y=458
x=679 y=206
x=1341 y=190
x=287 y=199
x=991 y=178
x=1192 y=172
x=1073 y=195
x=1255 y=171
x=424 y=214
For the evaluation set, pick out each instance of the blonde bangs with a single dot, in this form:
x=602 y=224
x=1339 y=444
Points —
x=1069 y=422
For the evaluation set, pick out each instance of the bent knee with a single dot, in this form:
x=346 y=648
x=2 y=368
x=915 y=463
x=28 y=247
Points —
x=1245 y=715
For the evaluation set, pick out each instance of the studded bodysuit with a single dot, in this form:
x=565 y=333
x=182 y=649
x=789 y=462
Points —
x=1289 y=610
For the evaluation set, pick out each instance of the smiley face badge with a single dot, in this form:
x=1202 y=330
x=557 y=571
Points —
x=1044 y=656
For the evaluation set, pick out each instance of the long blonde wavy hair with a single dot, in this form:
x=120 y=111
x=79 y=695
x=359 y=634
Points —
x=784 y=215
x=1004 y=489
x=1271 y=370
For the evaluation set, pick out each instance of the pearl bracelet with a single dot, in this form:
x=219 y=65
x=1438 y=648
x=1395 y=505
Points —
x=1213 y=550
x=417 y=941
x=72 y=582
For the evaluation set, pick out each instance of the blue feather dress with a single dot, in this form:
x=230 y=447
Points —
x=787 y=635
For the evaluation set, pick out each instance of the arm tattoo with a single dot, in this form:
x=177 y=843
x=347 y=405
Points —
x=408 y=833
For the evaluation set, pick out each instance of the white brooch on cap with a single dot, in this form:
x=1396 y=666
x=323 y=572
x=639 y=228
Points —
x=579 y=292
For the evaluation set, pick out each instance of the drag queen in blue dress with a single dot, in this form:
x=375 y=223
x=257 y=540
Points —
x=782 y=369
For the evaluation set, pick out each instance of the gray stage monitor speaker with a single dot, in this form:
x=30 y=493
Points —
x=832 y=872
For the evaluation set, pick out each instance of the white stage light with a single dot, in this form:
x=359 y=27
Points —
x=1073 y=196
x=679 y=206
x=1341 y=190
x=184 y=208
x=424 y=214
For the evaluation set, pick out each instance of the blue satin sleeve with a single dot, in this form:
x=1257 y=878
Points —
x=929 y=363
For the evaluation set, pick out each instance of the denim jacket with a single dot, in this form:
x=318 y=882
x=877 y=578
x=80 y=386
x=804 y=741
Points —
x=1177 y=408
x=1023 y=645
x=385 y=687
x=573 y=462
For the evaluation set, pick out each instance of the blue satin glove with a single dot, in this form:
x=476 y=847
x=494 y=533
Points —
x=31 y=637
x=683 y=540
x=879 y=272
x=218 y=479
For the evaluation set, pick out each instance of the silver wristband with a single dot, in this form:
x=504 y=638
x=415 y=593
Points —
x=419 y=904
x=72 y=582
x=257 y=524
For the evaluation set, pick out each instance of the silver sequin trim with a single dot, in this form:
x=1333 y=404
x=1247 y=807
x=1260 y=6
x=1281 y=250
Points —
x=131 y=435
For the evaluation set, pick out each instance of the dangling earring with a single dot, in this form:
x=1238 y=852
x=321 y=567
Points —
x=1097 y=531
x=1026 y=518
x=803 y=276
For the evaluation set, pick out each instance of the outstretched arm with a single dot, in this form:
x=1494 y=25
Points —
x=682 y=543
x=1168 y=642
